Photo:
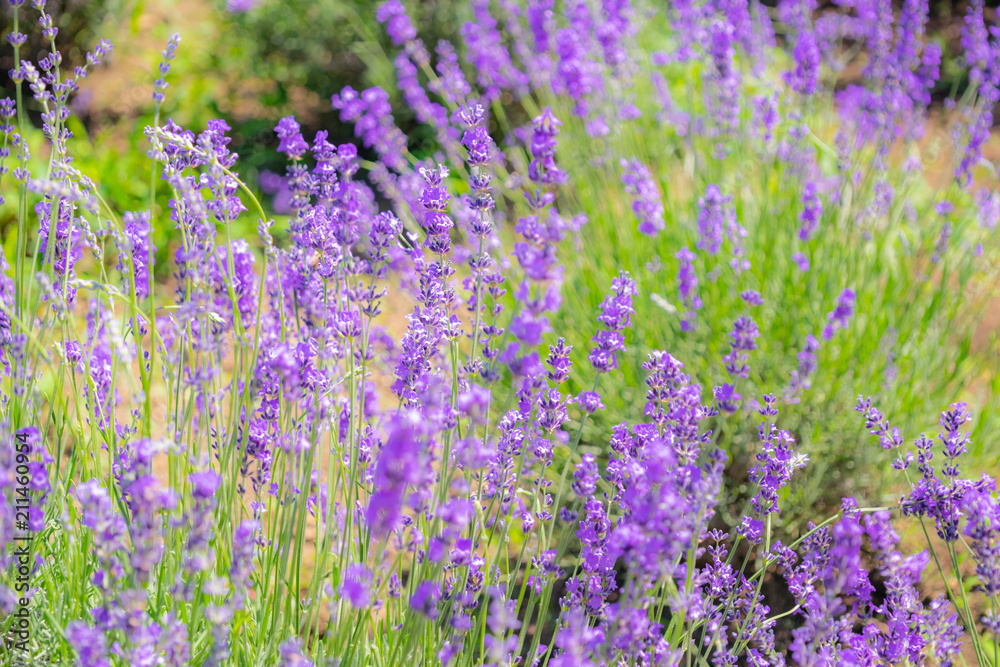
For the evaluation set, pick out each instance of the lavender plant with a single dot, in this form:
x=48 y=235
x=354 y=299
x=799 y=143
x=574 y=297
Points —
x=804 y=185
x=255 y=463
x=861 y=213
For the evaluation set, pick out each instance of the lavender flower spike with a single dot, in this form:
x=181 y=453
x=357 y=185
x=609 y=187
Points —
x=647 y=205
x=840 y=316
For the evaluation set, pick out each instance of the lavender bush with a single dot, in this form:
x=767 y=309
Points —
x=870 y=222
x=255 y=463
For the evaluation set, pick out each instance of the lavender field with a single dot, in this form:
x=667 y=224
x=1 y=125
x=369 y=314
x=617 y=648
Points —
x=496 y=333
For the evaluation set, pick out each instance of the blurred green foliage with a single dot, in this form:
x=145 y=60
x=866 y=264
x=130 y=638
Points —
x=308 y=50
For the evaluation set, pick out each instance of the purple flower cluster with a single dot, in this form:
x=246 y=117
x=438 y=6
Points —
x=715 y=217
x=169 y=53
x=136 y=247
x=647 y=205
x=840 y=316
x=812 y=211
x=808 y=363
x=541 y=232
x=898 y=77
x=616 y=316
x=722 y=80
x=743 y=340
x=488 y=55
x=397 y=23
x=687 y=286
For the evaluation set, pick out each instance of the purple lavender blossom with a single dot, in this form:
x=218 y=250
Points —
x=983 y=530
x=742 y=339
x=371 y=114
x=752 y=298
x=293 y=655
x=776 y=462
x=804 y=78
x=435 y=199
x=589 y=402
x=812 y=211
x=136 y=245
x=930 y=496
x=577 y=74
x=586 y=477
x=726 y=398
x=408 y=499
x=941 y=244
x=800 y=380
x=975 y=41
x=426 y=598
x=559 y=361
x=240 y=6
x=840 y=316
x=489 y=57
x=543 y=169
x=715 y=216
x=987 y=208
x=89 y=643
x=476 y=140
x=292 y=143
x=64 y=248
x=430 y=113
x=646 y=205
x=687 y=286
x=241 y=566
x=541 y=231
x=169 y=53
x=616 y=316
x=399 y=466
x=722 y=81
x=801 y=261
x=766 y=116
x=356 y=586
x=451 y=83
x=397 y=23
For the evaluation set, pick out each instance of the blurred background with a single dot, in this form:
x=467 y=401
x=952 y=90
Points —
x=252 y=62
